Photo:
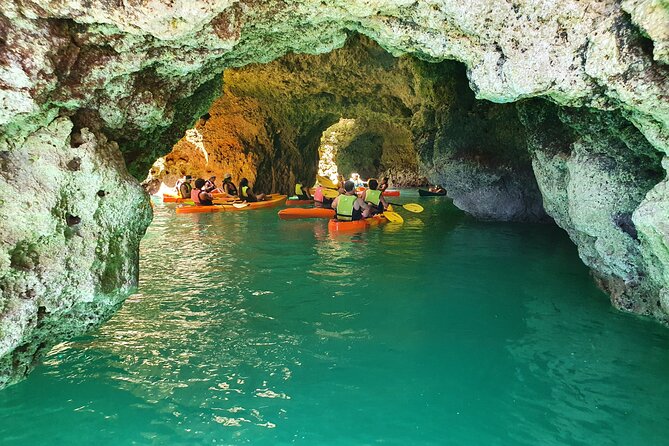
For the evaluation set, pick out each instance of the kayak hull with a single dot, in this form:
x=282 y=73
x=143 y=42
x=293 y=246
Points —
x=335 y=225
x=391 y=193
x=299 y=213
x=274 y=200
x=427 y=193
x=299 y=202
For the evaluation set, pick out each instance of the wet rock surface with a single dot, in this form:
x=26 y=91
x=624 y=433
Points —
x=110 y=83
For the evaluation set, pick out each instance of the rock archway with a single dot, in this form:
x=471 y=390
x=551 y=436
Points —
x=87 y=90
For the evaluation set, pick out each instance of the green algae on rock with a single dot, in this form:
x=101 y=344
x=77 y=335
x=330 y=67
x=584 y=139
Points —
x=93 y=74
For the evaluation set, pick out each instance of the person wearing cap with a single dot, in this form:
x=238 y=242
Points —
x=349 y=206
x=210 y=184
x=228 y=186
x=185 y=187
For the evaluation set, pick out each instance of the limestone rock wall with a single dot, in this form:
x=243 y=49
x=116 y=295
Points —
x=140 y=73
x=72 y=221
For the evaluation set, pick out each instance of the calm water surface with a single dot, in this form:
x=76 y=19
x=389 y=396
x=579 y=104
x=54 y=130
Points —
x=444 y=331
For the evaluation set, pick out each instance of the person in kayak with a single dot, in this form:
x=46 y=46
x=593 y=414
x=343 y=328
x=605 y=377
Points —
x=301 y=191
x=437 y=189
x=357 y=181
x=384 y=184
x=342 y=181
x=210 y=185
x=228 y=186
x=374 y=198
x=320 y=200
x=246 y=192
x=199 y=196
x=350 y=207
x=185 y=187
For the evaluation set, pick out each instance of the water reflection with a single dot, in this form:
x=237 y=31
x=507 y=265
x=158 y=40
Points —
x=248 y=329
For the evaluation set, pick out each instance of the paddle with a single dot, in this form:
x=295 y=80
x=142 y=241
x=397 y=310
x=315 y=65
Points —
x=240 y=205
x=329 y=193
x=393 y=217
x=326 y=182
x=411 y=207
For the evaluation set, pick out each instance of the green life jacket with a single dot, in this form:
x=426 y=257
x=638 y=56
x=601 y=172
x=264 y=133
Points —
x=345 y=207
x=244 y=194
x=373 y=196
x=298 y=189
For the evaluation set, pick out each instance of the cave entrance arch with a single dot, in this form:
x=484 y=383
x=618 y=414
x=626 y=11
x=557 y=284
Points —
x=498 y=161
x=594 y=171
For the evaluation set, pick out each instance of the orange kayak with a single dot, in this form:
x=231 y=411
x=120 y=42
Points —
x=298 y=202
x=295 y=213
x=273 y=200
x=355 y=226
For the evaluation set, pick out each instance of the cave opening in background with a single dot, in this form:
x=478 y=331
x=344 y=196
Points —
x=419 y=122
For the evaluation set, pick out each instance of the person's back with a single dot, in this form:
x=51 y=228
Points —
x=301 y=191
x=318 y=194
x=199 y=196
x=349 y=207
x=374 y=197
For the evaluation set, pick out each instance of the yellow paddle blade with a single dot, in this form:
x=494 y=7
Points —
x=413 y=207
x=393 y=217
x=329 y=193
x=326 y=182
x=240 y=205
x=390 y=208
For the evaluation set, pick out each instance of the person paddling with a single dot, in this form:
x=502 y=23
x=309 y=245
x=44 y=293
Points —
x=246 y=192
x=228 y=186
x=301 y=191
x=374 y=198
x=350 y=207
x=199 y=196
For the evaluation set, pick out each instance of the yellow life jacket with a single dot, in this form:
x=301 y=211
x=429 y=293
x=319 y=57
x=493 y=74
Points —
x=244 y=194
x=345 y=207
x=298 y=189
x=373 y=196
x=185 y=193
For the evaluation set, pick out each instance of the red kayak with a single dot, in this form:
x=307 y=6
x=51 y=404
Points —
x=295 y=213
x=391 y=193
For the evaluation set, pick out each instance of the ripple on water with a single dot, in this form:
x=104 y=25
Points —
x=248 y=329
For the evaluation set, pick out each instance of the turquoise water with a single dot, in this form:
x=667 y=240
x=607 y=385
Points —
x=445 y=331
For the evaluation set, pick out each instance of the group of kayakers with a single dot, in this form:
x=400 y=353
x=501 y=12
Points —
x=353 y=205
x=354 y=201
x=201 y=191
